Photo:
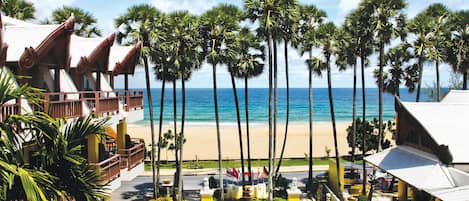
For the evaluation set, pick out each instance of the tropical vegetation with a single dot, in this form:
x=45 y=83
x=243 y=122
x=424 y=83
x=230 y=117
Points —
x=178 y=43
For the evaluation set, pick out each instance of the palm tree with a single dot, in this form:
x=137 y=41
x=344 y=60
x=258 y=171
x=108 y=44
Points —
x=326 y=34
x=397 y=57
x=217 y=29
x=420 y=27
x=60 y=152
x=136 y=25
x=266 y=13
x=346 y=55
x=457 y=50
x=437 y=38
x=85 y=22
x=310 y=18
x=288 y=28
x=358 y=25
x=19 y=9
x=388 y=22
x=18 y=181
x=247 y=63
x=187 y=57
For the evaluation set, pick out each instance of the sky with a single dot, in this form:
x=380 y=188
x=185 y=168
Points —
x=107 y=10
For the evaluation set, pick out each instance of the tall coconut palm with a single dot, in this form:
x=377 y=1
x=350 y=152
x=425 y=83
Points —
x=85 y=22
x=326 y=34
x=420 y=27
x=217 y=29
x=457 y=49
x=19 y=9
x=438 y=36
x=398 y=57
x=188 y=57
x=310 y=18
x=288 y=28
x=388 y=22
x=247 y=62
x=346 y=55
x=358 y=25
x=136 y=25
x=266 y=13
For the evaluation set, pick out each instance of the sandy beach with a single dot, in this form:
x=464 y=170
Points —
x=202 y=141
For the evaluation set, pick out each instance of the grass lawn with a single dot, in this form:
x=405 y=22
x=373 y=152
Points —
x=237 y=163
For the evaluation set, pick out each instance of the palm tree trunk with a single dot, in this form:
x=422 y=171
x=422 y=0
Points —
x=270 y=186
x=362 y=64
x=380 y=96
x=437 y=68
x=310 y=107
x=217 y=124
x=397 y=91
x=274 y=151
x=238 y=118
x=354 y=111
x=420 y=63
x=334 y=132
x=152 y=127
x=246 y=108
x=181 y=137
x=282 y=152
x=160 y=130
x=464 y=80
x=176 y=152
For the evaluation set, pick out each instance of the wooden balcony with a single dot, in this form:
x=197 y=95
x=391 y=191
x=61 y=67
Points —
x=62 y=104
x=7 y=110
x=110 y=168
x=133 y=156
x=132 y=99
x=70 y=104
x=101 y=102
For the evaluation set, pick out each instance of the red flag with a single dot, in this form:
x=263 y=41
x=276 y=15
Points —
x=247 y=174
x=235 y=173
x=266 y=172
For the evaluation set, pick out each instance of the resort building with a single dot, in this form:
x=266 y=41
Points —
x=430 y=156
x=77 y=77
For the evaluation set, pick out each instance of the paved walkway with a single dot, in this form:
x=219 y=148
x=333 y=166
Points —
x=141 y=187
x=214 y=171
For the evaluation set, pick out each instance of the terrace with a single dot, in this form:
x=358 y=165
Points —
x=100 y=103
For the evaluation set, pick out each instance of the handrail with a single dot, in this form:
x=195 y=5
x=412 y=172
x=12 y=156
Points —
x=132 y=99
x=109 y=168
x=68 y=104
x=7 y=110
x=133 y=156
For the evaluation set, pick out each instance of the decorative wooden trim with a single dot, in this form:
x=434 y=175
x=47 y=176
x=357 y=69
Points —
x=33 y=56
x=128 y=63
x=98 y=58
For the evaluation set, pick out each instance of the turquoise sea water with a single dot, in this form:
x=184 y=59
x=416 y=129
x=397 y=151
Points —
x=200 y=111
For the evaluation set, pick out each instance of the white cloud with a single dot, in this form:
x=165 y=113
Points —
x=193 y=6
x=44 y=8
x=348 y=5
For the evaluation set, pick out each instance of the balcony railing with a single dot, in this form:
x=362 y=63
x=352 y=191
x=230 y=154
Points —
x=62 y=104
x=7 y=110
x=101 y=102
x=132 y=99
x=110 y=168
x=69 y=104
x=133 y=156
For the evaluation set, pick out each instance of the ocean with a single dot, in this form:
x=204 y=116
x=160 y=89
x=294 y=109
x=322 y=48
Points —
x=200 y=111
